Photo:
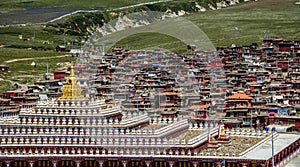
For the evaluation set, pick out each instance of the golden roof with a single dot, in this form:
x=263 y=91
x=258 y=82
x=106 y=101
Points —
x=71 y=91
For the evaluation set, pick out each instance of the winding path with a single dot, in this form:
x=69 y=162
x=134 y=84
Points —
x=84 y=11
x=32 y=58
x=24 y=86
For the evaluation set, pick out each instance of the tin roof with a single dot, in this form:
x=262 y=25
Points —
x=264 y=150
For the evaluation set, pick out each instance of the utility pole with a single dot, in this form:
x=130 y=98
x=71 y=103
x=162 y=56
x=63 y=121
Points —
x=273 y=129
x=103 y=51
x=251 y=119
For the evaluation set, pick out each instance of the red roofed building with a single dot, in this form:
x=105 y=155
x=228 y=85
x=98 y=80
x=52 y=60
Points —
x=60 y=75
x=237 y=107
x=240 y=96
x=200 y=112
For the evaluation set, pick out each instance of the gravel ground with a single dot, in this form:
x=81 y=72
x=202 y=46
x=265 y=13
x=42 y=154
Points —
x=294 y=162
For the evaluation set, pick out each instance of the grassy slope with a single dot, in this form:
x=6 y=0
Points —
x=280 y=18
x=13 y=48
x=13 y=5
x=144 y=41
x=9 y=37
x=21 y=69
x=252 y=20
x=23 y=72
x=31 y=11
x=5 y=86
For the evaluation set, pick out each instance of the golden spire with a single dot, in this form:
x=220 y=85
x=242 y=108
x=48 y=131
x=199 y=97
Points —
x=72 y=70
x=71 y=90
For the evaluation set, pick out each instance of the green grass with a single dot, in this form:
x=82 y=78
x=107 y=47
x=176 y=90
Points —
x=280 y=18
x=5 y=86
x=7 y=54
x=36 y=37
x=34 y=11
x=13 y=5
x=22 y=71
x=252 y=19
x=14 y=48
x=145 y=41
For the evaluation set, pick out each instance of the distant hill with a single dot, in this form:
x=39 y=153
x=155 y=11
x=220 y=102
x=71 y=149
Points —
x=85 y=23
x=28 y=11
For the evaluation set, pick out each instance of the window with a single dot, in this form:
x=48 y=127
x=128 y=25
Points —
x=291 y=121
x=168 y=98
x=200 y=113
x=246 y=121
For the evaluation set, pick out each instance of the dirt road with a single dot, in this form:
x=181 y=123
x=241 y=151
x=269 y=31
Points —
x=32 y=58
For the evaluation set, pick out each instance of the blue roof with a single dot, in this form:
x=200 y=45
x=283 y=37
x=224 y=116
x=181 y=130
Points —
x=157 y=65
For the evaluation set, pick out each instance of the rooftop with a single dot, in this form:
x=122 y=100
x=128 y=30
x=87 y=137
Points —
x=240 y=96
x=264 y=150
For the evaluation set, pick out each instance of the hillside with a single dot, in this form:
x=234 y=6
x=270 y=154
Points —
x=280 y=19
x=30 y=11
x=240 y=24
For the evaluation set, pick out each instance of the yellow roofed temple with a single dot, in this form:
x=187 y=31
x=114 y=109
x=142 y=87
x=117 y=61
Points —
x=71 y=90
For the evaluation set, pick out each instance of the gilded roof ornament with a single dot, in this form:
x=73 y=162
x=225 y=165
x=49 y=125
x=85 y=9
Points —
x=71 y=90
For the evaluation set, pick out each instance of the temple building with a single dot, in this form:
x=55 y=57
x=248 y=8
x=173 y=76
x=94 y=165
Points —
x=158 y=109
x=89 y=132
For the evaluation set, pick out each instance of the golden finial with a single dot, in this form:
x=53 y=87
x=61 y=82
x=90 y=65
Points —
x=72 y=70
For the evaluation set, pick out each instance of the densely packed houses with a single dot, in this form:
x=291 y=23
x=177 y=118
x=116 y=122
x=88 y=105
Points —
x=153 y=108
